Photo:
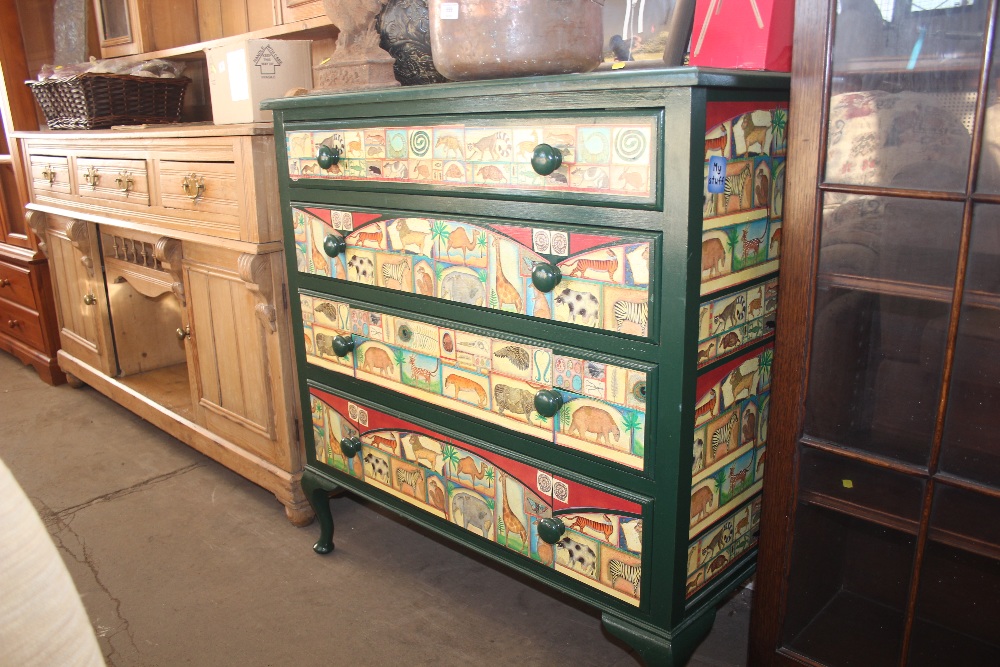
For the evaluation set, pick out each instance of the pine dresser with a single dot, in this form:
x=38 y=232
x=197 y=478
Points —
x=506 y=331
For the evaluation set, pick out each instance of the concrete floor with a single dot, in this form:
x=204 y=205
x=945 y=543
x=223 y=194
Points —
x=181 y=562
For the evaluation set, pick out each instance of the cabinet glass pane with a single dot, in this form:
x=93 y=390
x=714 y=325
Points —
x=847 y=588
x=114 y=19
x=989 y=168
x=971 y=448
x=957 y=615
x=891 y=239
x=904 y=92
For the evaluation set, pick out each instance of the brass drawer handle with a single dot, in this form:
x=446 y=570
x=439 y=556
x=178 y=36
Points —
x=89 y=300
x=193 y=185
x=92 y=177
x=184 y=333
x=49 y=174
x=124 y=181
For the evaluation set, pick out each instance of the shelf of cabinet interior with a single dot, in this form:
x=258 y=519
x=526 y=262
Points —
x=314 y=28
x=900 y=288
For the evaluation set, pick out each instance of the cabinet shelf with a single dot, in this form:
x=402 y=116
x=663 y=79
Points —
x=314 y=28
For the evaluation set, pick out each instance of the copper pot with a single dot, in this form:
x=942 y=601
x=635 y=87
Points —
x=489 y=39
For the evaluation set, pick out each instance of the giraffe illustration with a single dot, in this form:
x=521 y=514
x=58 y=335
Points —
x=510 y=521
x=505 y=291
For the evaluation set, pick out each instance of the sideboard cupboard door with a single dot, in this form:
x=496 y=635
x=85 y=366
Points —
x=235 y=343
x=84 y=323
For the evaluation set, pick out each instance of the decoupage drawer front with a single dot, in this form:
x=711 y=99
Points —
x=578 y=529
x=595 y=278
x=598 y=158
x=572 y=399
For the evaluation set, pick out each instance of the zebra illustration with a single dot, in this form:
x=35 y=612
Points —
x=395 y=272
x=723 y=435
x=629 y=311
x=734 y=185
x=630 y=573
x=410 y=478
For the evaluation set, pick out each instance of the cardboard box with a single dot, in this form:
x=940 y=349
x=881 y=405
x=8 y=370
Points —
x=242 y=74
x=743 y=34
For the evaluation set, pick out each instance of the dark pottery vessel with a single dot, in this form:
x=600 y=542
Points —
x=404 y=28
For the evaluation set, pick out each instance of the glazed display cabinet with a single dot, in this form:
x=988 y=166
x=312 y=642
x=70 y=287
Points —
x=880 y=544
x=543 y=326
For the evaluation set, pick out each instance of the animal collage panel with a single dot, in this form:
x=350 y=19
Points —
x=715 y=550
x=744 y=193
x=487 y=494
x=604 y=405
x=730 y=436
x=606 y=277
x=598 y=155
x=730 y=323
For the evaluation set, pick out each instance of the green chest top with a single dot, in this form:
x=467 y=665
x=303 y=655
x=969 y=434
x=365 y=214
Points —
x=536 y=316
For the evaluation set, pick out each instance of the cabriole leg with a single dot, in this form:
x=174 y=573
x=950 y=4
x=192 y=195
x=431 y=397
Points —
x=318 y=493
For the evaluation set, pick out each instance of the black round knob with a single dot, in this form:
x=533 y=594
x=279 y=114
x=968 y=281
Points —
x=545 y=159
x=343 y=345
x=551 y=530
x=327 y=156
x=548 y=402
x=545 y=277
x=350 y=446
x=333 y=245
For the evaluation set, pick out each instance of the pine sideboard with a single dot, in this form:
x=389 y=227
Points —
x=169 y=276
x=506 y=331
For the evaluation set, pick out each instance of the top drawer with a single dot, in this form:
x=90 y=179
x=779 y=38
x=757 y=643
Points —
x=117 y=180
x=597 y=158
x=50 y=173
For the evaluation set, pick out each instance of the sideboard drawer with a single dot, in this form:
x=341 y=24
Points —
x=15 y=285
x=595 y=536
x=209 y=187
x=20 y=323
x=600 y=402
x=591 y=277
x=50 y=173
x=600 y=157
x=118 y=180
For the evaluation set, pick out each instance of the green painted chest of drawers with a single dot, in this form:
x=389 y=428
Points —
x=536 y=316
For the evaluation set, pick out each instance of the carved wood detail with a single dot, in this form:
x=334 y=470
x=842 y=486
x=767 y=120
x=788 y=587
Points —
x=39 y=223
x=78 y=233
x=255 y=271
x=170 y=253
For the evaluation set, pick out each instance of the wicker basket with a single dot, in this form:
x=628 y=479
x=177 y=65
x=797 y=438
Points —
x=90 y=101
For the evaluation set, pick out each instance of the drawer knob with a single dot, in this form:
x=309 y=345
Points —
x=545 y=277
x=545 y=159
x=548 y=402
x=327 y=156
x=193 y=185
x=13 y=324
x=551 y=530
x=89 y=299
x=4 y=282
x=350 y=446
x=183 y=333
x=124 y=181
x=333 y=245
x=343 y=345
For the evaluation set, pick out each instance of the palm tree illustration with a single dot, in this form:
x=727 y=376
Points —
x=399 y=356
x=765 y=367
x=481 y=243
x=490 y=474
x=630 y=422
x=778 y=123
x=450 y=455
x=439 y=232
x=732 y=241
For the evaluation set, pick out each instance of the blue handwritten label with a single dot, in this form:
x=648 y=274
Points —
x=716 y=174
